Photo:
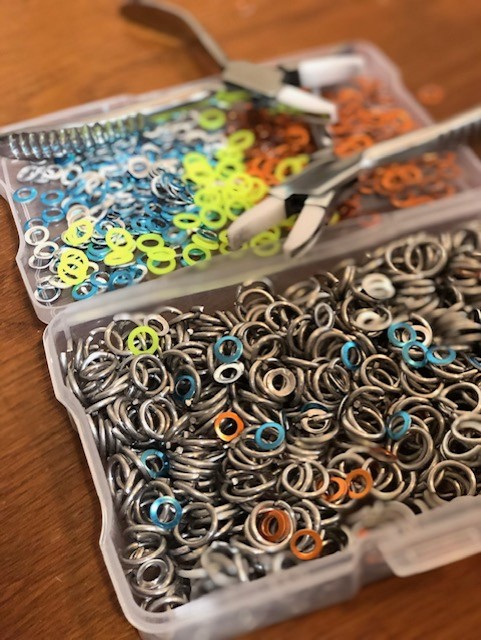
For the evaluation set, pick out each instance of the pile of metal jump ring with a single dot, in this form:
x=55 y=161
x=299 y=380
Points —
x=238 y=443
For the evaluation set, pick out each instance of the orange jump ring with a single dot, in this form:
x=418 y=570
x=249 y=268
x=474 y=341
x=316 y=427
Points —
x=431 y=94
x=341 y=491
x=231 y=416
x=262 y=167
x=353 y=144
x=306 y=555
x=365 y=477
x=282 y=522
x=298 y=136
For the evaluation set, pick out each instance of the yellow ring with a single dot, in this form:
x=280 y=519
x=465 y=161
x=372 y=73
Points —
x=186 y=220
x=162 y=255
x=146 y=331
x=212 y=119
x=149 y=237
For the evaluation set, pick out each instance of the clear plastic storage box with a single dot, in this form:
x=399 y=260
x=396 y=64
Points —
x=430 y=540
x=377 y=66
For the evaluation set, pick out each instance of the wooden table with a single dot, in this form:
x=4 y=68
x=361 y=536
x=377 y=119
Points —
x=57 y=54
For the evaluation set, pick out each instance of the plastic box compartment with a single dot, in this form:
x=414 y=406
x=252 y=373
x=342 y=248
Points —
x=441 y=536
x=378 y=66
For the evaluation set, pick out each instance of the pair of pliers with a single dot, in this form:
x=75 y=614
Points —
x=314 y=192
x=264 y=80
x=274 y=82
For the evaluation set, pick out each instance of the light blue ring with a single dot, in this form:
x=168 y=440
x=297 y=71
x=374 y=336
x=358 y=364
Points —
x=48 y=218
x=150 y=453
x=346 y=350
x=233 y=357
x=137 y=273
x=450 y=357
x=96 y=253
x=31 y=194
x=154 y=511
x=99 y=282
x=175 y=237
x=120 y=278
x=416 y=364
x=59 y=195
x=269 y=446
x=76 y=295
x=391 y=333
x=401 y=431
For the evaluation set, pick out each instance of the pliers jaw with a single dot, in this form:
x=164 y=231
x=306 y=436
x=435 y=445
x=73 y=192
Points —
x=314 y=212
x=313 y=194
x=269 y=82
x=314 y=215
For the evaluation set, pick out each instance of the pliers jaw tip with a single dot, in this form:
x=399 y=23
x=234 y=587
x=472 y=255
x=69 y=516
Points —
x=309 y=224
x=268 y=213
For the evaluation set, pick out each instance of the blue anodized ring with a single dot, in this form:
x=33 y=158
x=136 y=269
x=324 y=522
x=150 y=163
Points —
x=84 y=290
x=52 y=197
x=25 y=194
x=53 y=214
x=391 y=333
x=416 y=364
x=154 y=453
x=189 y=393
x=264 y=444
x=346 y=350
x=154 y=512
x=232 y=357
x=447 y=359
x=395 y=431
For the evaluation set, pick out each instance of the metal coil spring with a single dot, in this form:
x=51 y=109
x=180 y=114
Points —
x=38 y=145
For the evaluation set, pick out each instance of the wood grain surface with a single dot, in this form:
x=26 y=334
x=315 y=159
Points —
x=54 y=54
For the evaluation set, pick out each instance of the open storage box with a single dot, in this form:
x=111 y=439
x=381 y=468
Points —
x=430 y=540
x=377 y=67
x=443 y=535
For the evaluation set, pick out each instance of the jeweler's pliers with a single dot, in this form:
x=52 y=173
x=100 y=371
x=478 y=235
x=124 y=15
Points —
x=314 y=192
x=265 y=80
